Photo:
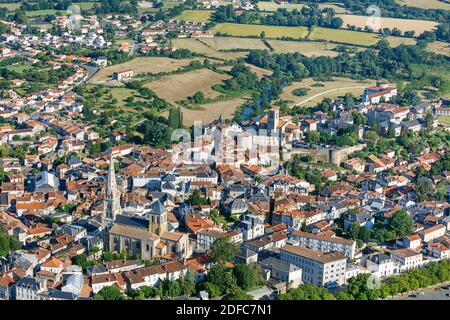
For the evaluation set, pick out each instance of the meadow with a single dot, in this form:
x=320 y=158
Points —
x=197 y=46
x=345 y=36
x=330 y=89
x=309 y=48
x=195 y=15
x=230 y=43
x=270 y=6
x=425 y=4
x=246 y=30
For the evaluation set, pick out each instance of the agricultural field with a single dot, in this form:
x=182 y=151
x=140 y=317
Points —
x=345 y=36
x=270 y=6
x=84 y=5
x=10 y=6
x=181 y=86
x=419 y=26
x=197 y=46
x=38 y=13
x=308 y=49
x=211 y=111
x=439 y=48
x=195 y=15
x=142 y=65
x=246 y=30
x=425 y=4
x=397 y=41
x=229 y=43
x=260 y=72
x=330 y=89
x=121 y=94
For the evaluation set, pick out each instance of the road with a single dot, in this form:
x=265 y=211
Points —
x=328 y=91
x=429 y=294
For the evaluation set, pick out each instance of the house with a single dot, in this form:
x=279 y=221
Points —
x=407 y=258
x=122 y=75
x=29 y=288
x=431 y=233
x=283 y=271
x=380 y=265
x=319 y=269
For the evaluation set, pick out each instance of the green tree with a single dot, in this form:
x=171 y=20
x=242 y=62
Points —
x=223 y=250
x=109 y=293
x=401 y=223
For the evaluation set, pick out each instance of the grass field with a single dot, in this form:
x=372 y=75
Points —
x=229 y=43
x=425 y=4
x=345 y=36
x=260 y=72
x=20 y=67
x=141 y=65
x=439 y=47
x=444 y=119
x=181 y=86
x=331 y=89
x=84 y=5
x=245 y=30
x=195 y=15
x=195 y=45
x=10 y=6
x=269 y=6
x=147 y=6
x=45 y=12
x=419 y=26
x=308 y=49
x=121 y=94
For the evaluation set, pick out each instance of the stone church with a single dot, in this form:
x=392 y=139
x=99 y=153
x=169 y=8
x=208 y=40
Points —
x=146 y=236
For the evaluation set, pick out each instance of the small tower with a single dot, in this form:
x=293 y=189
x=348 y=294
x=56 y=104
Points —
x=274 y=119
x=112 y=196
x=157 y=218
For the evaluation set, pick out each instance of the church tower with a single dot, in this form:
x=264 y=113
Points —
x=112 y=196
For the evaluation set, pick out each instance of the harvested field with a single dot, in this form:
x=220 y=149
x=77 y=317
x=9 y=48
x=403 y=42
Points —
x=196 y=45
x=425 y=4
x=397 y=41
x=11 y=6
x=260 y=72
x=246 y=30
x=229 y=43
x=141 y=65
x=308 y=49
x=181 y=86
x=331 y=89
x=195 y=15
x=345 y=36
x=211 y=111
x=269 y=6
x=419 y=26
x=439 y=47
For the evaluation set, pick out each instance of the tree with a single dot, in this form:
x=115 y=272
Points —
x=307 y=292
x=247 y=276
x=353 y=230
x=238 y=294
x=212 y=289
x=109 y=293
x=401 y=223
x=223 y=250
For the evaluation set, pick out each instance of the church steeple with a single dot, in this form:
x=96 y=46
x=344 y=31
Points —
x=112 y=196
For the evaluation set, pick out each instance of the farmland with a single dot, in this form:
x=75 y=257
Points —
x=46 y=12
x=425 y=4
x=195 y=15
x=419 y=26
x=10 y=6
x=197 y=46
x=397 y=41
x=444 y=119
x=345 y=36
x=211 y=111
x=246 y=30
x=230 y=43
x=269 y=6
x=142 y=65
x=439 y=47
x=181 y=86
x=331 y=89
x=308 y=49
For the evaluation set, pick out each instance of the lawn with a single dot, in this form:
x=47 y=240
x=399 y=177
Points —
x=309 y=49
x=330 y=89
x=425 y=4
x=21 y=67
x=270 y=6
x=419 y=26
x=246 y=30
x=345 y=36
x=195 y=15
x=121 y=94
x=84 y=5
x=142 y=65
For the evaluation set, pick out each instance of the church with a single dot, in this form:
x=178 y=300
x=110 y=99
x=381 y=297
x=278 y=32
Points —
x=145 y=236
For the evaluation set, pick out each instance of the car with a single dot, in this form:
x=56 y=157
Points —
x=412 y=295
x=422 y=293
x=447 y=294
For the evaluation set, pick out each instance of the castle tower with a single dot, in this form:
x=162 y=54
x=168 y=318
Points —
x=112 y=196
